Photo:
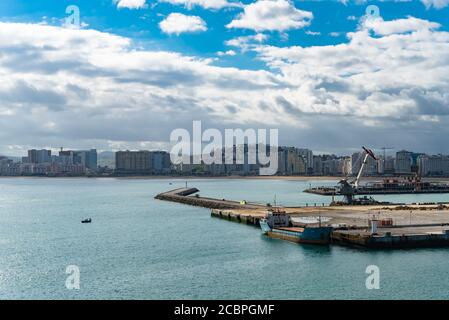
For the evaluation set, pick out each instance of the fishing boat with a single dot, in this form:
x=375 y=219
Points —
x=86 y=220
x=277 y=224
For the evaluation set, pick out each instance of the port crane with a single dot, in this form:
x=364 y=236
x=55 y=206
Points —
x=349 y=188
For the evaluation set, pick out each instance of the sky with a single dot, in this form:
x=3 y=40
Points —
x=330 y=75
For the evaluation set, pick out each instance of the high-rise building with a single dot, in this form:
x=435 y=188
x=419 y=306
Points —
x=389 y=165
x=295 y=162
x=346 y=166
x=317 y=165
x=415 y=156
x=66 y=158
x=433 y=165
x=282 y=161
x=160 y=161
x=308 y=157
x=357 y=161
x=39 y=156
x=87 y=158
x=241 y=159
x=133 y=162
x=403 y=162
x=330 y=167
x=290 y=162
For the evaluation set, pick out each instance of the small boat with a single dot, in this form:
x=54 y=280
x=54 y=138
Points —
x=86 y=220
x=277 y=224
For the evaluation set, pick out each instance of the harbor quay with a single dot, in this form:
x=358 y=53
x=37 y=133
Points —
x=395 y=225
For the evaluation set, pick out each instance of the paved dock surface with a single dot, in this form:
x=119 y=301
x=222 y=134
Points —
x=394 y=237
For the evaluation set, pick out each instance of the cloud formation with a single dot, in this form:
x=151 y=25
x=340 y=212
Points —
x=271 y=15
x=177 y=23
x=245 y=43
x=396 y=76
x=411 y=24
x=130 y=4
x=206 y=4
x=438 y=4
x=96 y=89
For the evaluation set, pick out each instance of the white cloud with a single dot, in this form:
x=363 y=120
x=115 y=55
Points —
x=438 y=4
x=207 y=4
x=411 y=24
x=313 y=33
x=226 y=53
x=177 y=23
x=247 y=42
x=130 y=4
x=271 y=15
x=335 y=34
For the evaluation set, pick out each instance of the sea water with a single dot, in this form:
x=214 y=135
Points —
x=140 y=248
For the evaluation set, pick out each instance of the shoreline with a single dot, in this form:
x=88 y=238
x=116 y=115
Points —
x=292 y=178
x=286 y=178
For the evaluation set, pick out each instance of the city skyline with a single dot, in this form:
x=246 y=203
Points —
x=166 y=146
x=240 y=160
x=389 y=151
x=327 y=74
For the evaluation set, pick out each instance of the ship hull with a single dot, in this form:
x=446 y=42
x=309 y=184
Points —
x=310 y=235
x=297 y=239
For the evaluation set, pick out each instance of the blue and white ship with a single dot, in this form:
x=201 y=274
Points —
x=277 y=224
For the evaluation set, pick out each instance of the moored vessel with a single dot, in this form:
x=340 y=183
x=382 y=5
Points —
x=277 y=224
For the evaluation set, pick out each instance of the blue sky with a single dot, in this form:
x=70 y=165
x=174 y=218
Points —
x=142 y=25
x=317 y=67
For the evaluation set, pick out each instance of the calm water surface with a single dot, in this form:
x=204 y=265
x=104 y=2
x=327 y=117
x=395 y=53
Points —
x=141 y=248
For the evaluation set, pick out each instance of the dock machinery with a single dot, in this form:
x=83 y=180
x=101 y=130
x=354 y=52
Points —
x=349 y=188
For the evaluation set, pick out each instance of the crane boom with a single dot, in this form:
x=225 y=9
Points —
x=368 y=153
x=365 y=160
x=349 y=188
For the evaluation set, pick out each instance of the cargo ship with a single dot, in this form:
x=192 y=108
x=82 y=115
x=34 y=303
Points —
x=277 y=224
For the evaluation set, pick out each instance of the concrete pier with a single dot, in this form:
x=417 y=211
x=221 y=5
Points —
x=394 y=238
x=183 y=195
x=249 y=218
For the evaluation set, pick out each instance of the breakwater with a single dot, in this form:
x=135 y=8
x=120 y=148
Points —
x=184 y=195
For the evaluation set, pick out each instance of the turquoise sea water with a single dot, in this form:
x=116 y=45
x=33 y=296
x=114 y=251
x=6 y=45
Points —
x=141 y=248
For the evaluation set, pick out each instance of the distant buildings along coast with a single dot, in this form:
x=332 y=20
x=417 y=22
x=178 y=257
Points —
x=292 y=161
x=43 y=163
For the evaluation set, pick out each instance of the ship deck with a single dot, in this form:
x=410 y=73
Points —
x=294 y=229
